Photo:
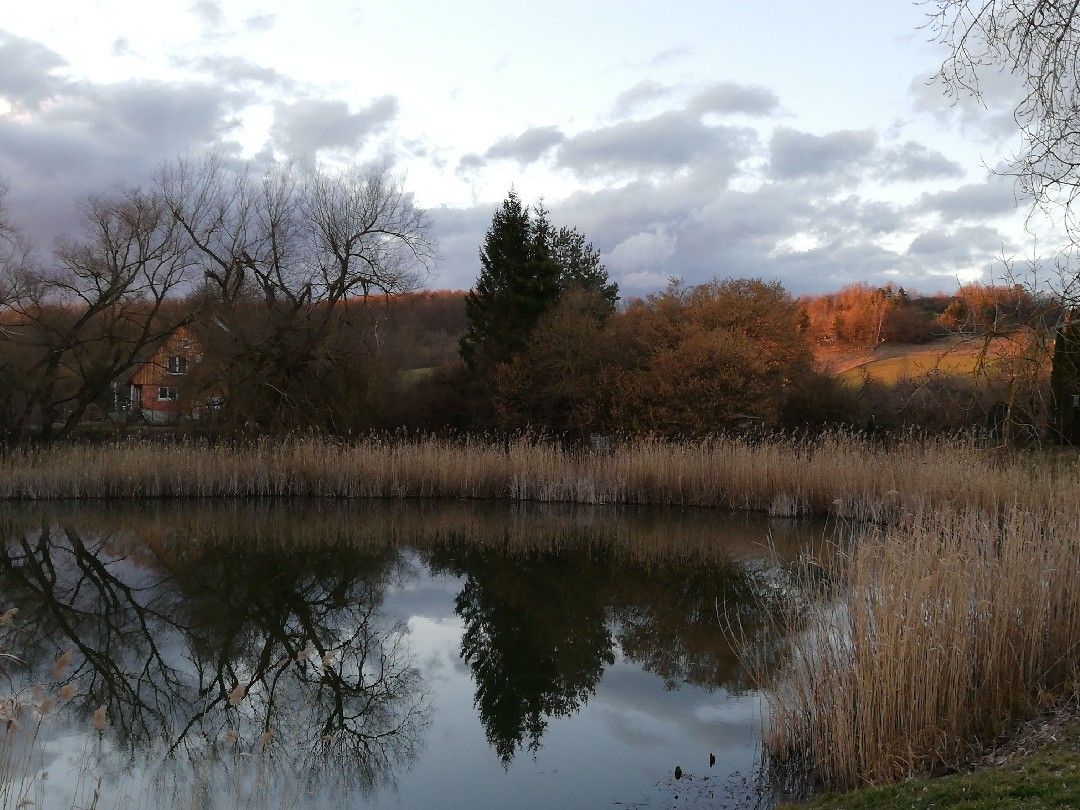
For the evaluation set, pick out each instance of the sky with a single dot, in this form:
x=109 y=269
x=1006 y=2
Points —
x=791 y=141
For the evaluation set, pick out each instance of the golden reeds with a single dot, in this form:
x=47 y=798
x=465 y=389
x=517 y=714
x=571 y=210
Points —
x=837 y=474
x=937 y=633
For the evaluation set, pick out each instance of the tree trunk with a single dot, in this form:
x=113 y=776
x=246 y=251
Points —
x=1065 y=379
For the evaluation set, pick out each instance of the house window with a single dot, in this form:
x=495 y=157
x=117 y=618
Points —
x=165 y=392
x=177 y=364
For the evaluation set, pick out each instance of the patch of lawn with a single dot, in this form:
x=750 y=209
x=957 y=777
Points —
x=1049 y=778
x=913 y=364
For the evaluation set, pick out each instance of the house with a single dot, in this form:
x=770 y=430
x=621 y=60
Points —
x=157 y=388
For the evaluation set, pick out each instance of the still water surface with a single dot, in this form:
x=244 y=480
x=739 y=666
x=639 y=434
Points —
x=400 y=655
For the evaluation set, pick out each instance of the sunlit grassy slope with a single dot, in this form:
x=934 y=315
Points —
x=891 y=362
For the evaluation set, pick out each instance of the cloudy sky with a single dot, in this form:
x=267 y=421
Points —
x=788 y=140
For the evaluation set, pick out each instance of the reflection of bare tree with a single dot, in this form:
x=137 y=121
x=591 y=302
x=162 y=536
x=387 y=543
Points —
x=174 y=614
x=217 y=648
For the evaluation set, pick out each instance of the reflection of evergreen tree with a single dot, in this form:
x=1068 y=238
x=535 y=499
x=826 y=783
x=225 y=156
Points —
x=536 y=639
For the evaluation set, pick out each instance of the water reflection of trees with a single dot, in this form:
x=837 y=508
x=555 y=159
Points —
x=171 y=608
x=210 y=648
x=540 y=629
x=536 y=641
x=674 y=620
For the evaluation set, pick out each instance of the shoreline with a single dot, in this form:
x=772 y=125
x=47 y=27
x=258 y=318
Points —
x=838 y=475
x=1037 y=766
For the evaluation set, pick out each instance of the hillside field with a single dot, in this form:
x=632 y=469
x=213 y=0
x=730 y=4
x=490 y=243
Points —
x=955 y=354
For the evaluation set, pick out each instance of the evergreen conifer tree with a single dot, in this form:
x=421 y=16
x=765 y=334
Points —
x=580 y=266
x=526 y=264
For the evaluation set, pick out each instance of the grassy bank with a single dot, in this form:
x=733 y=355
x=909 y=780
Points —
x=1048 y=778
x=834 y=475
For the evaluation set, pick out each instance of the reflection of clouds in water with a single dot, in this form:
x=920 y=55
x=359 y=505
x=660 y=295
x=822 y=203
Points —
x=419 y=594
x=628 y=726
x=645 y=709
x=437 y=644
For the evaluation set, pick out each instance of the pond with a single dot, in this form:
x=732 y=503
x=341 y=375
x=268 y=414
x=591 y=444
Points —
x=383 y=654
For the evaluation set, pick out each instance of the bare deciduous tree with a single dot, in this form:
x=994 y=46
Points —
x=81 y=325
x=295 y=249
x=1038 y=43
x=300 y=238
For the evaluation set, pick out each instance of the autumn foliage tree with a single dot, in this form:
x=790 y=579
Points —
x=688 y=360
x=562 y=381
x=708 y=357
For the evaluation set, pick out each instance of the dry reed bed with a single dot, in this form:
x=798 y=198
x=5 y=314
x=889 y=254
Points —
x=834 y=475
x=937 y=634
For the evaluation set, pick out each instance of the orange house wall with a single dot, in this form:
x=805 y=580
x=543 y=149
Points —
x=153 y=373
x=150 y=401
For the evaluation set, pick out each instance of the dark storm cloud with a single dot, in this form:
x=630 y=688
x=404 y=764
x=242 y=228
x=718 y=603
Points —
x=470 y=163
x=27 y=71
x=459 y=231
x=304 y=127
x=796 y=155
x=695 y=200
x=92 y=137
x=664 y=143
x=130 y=113
x=913 y=161
x=960 y=246
x=689 y=226
x=94 y=140
x=729 y=97
x=530 y=145
x=994 y=197
x=851 y=155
